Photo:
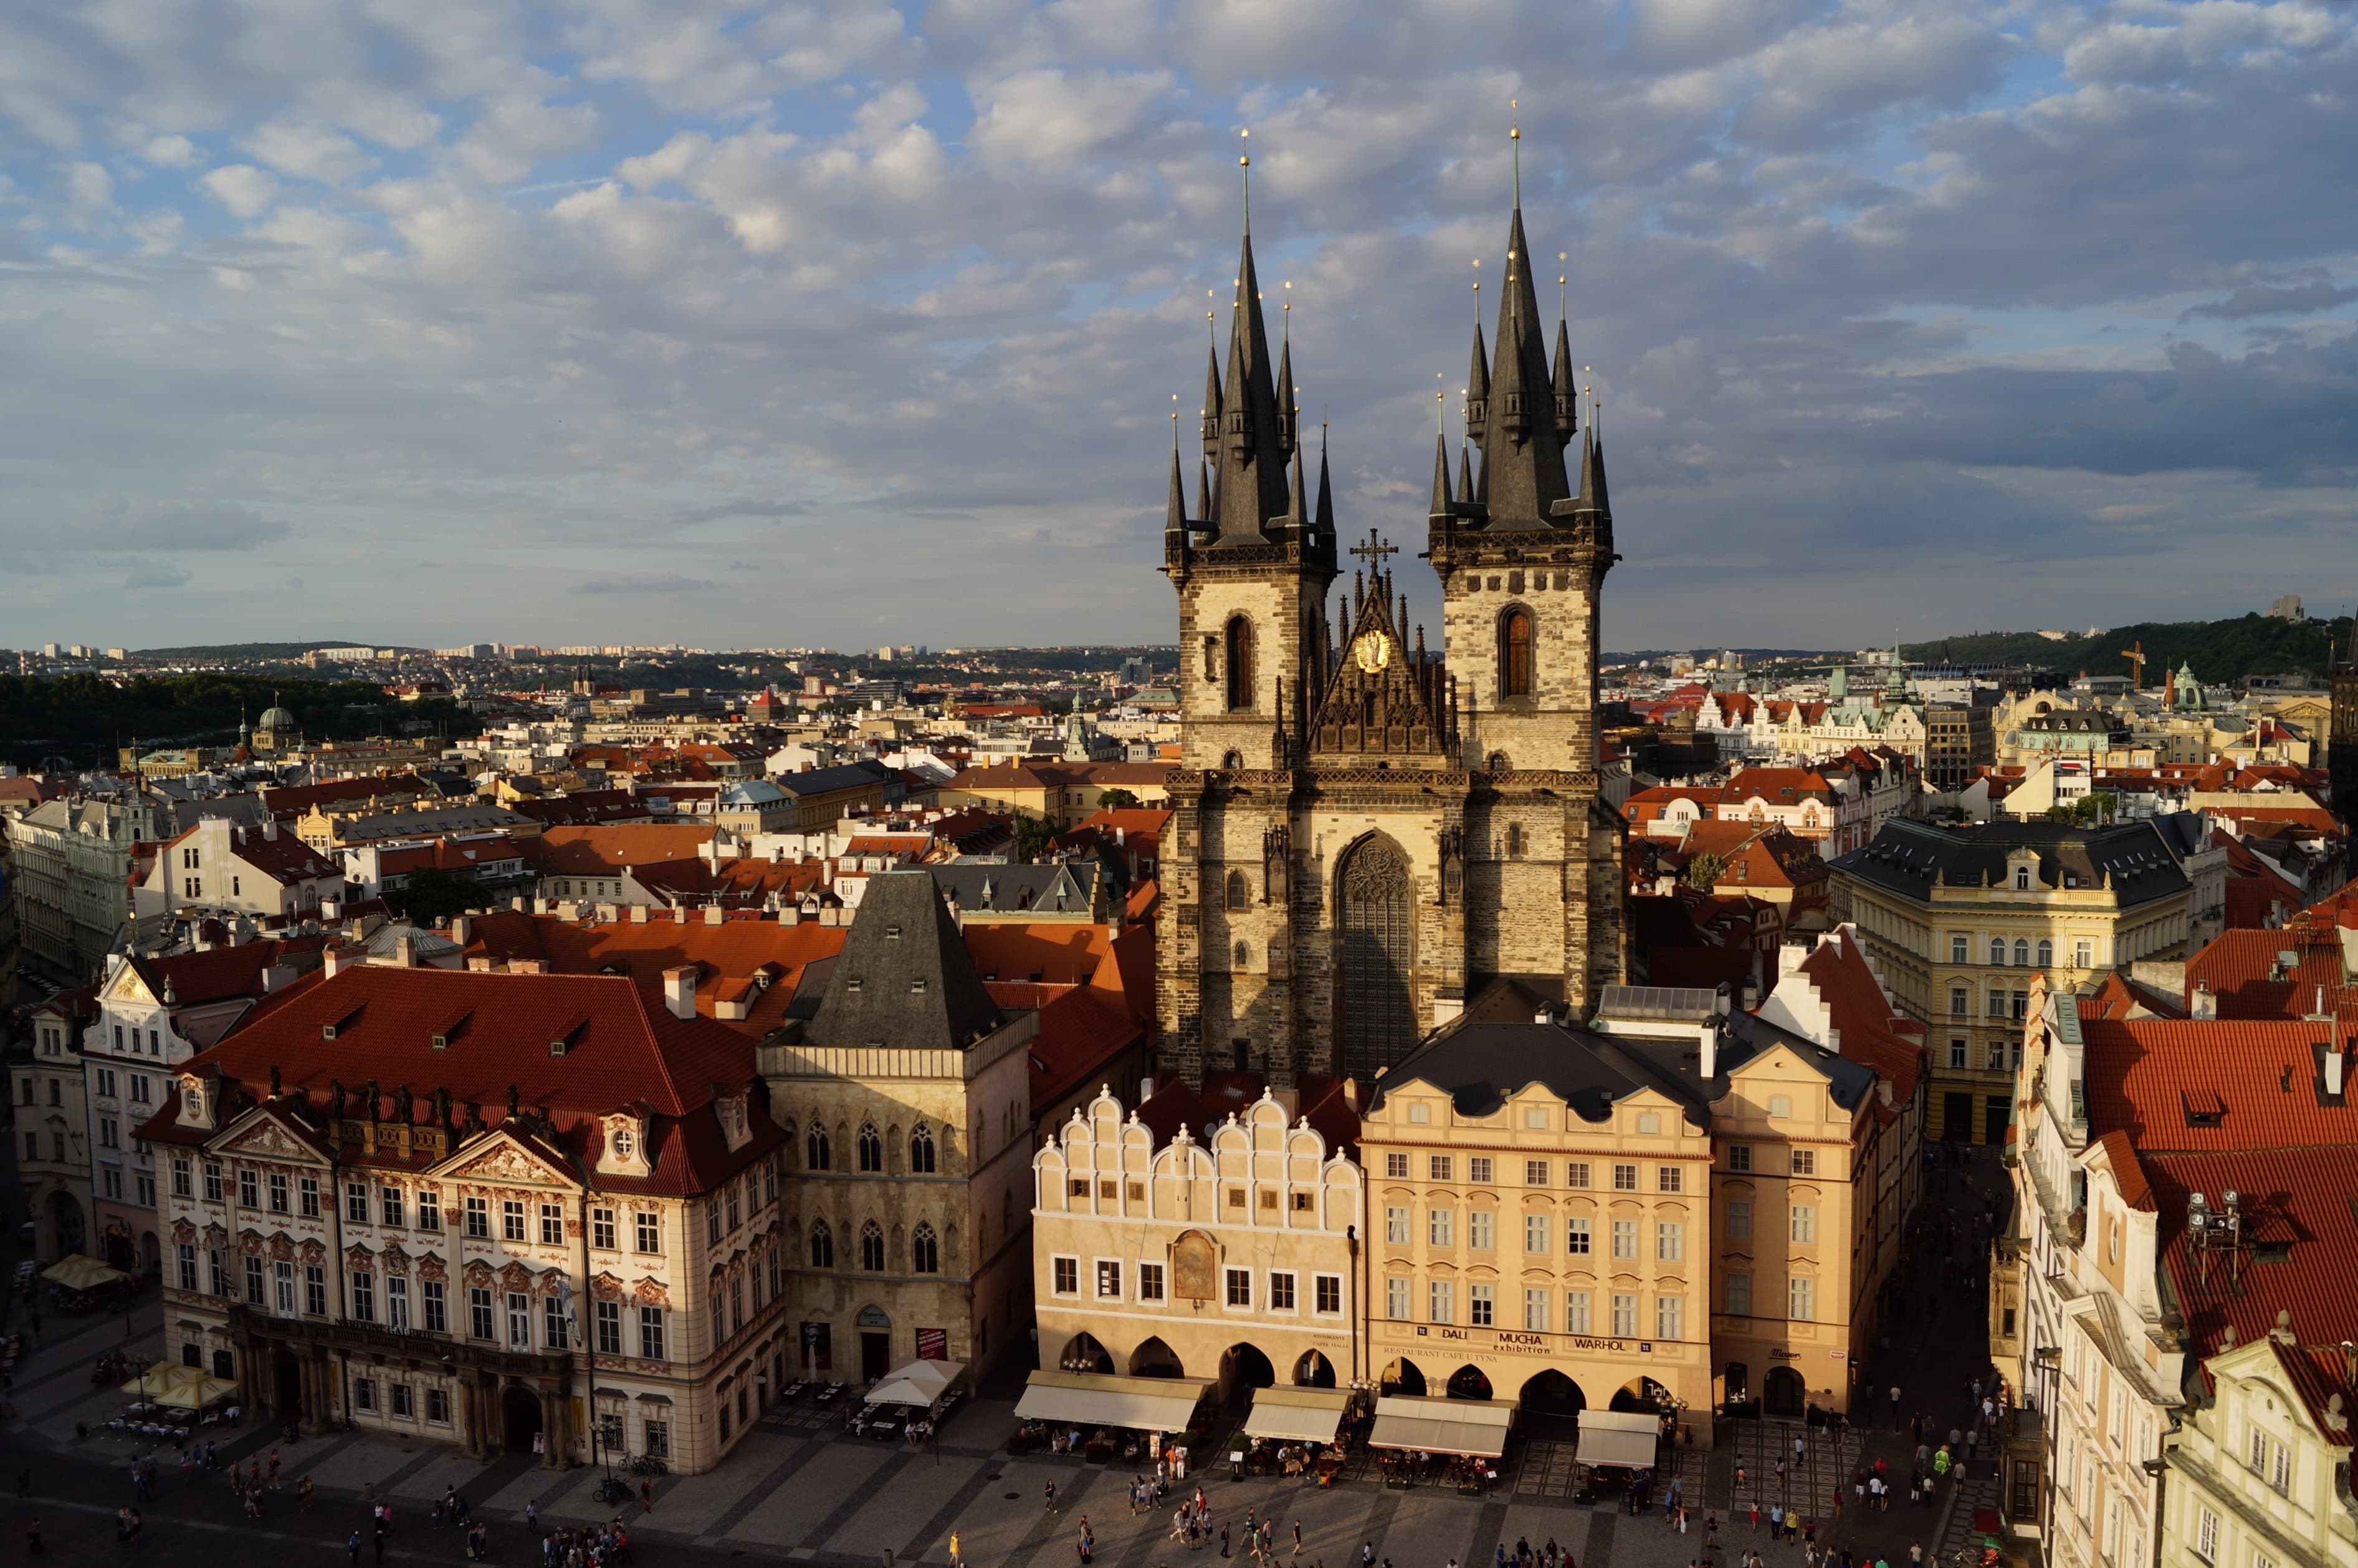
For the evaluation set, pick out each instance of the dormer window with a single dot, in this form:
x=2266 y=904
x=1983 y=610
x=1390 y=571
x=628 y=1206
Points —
x=624 y=1144
x=2022 y=878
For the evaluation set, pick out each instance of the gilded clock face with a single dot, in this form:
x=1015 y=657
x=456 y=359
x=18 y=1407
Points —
x=1373 y=652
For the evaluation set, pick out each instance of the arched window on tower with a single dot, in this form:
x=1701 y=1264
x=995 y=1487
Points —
x=1239 y=891
x=822 y=1246
x=872 y=1247
x=1515 y=653
x=871 y=1147
x=1514 y=839
x=921 y=1150
x=1240 y=663
x=816 y=1148
x=1243 y=957
x=925 y=1250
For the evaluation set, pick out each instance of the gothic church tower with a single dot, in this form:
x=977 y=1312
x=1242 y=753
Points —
x=1354 y=817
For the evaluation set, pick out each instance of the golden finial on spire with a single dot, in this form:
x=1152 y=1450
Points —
x=1286 y=321
x=1175 y=424
x=1515 y=138
x=1440 y=405
x=1244 y=161
x=1559 y=286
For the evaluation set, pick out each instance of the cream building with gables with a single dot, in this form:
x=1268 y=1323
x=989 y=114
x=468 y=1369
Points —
x=1206 y=1234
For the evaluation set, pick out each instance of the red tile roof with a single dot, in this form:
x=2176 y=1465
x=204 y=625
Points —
x=727 y=955
x=2303 y=1236
x=2241 y=969
x=2150 y=1076
x=622 y=1050
x=603 y=851
x=1871 y=1029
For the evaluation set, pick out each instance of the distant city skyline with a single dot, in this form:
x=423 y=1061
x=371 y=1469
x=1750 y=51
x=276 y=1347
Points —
x=835 y=324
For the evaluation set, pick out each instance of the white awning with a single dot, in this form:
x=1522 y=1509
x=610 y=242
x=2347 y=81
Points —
x=1090 y=1399
x=1297 y=1415
x=1476 y=1428
x=1625 y=1438
x=916 y=1383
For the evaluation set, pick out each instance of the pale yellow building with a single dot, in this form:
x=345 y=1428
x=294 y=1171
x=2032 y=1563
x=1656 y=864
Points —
x=1206 y=1234
x=1959 y=921
x=1540 y=1221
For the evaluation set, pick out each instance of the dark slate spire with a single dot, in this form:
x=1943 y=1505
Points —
x=1466 y=475
x=1593 y=502
x=1523 y=468
x=1441 y=476
x=1567 y=401
x=1204 y=490
x=1212 y=401
x=1326 y=491
x=1251 y=444
x=905 y=934
x=1297 y=506
x=1176 y=521
x=1478 y=382
x=1285 y=410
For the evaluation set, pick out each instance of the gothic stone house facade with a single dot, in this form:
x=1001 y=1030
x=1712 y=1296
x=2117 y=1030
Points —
x=1365 y=834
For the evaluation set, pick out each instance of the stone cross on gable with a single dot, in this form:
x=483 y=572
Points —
x=1374 y=551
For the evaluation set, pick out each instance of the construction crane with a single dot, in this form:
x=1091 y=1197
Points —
x=2135 y=657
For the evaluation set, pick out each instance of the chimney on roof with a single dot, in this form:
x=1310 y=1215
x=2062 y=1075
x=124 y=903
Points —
x=1707 y=1041
x=2203 y=1004
x=679 y=991
x=335 y=960
x=270 y=829
x=404 y=950
x=2336 y=1070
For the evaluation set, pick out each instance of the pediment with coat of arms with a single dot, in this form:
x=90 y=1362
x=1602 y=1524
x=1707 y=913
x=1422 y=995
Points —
x=504 y=1161
x=264 y=1137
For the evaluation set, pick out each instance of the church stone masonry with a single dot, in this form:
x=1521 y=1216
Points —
x=1368 y=832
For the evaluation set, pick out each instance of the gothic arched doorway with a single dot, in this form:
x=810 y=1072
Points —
x=1401 y=1377
x=1784 y=1393
x=1378 y=1012
x=1469 y=1382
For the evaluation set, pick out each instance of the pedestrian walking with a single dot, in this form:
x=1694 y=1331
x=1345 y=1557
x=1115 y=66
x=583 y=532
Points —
x=956 y=1561
x=1224 y=1529
x=352 y=1546
x=647 y=1495
x=1297 y=1539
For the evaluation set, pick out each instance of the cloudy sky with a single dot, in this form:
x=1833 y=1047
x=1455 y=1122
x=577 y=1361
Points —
x=430 y=320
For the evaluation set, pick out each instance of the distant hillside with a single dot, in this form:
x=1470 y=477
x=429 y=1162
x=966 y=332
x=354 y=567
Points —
x=239 y=650
x=2220 y=650
x=82 y=718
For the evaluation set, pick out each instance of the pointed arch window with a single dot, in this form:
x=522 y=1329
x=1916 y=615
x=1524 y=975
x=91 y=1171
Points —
x=1243 y=957
x=822 y=1246
x=1515 y=653
x=816 y=1155
x=872 y=1247
x=871 y=1147
x=921 y=1150
x=1514 y=839
x=1239 y=891
x=1239 y=664
x=925 y=1250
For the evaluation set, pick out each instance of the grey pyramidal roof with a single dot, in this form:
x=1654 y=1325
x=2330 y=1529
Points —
x=904 y=978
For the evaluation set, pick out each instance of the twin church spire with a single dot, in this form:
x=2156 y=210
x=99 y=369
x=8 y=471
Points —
x=1521 y=414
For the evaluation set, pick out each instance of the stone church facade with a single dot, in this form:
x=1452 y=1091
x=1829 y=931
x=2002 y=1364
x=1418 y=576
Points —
x=1367 y=831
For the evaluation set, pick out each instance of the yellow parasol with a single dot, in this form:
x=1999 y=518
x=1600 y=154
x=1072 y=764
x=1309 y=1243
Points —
x=79 y=1271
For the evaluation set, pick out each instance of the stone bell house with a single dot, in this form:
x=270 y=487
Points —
x=578 y=1218
x=1206 y=1234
